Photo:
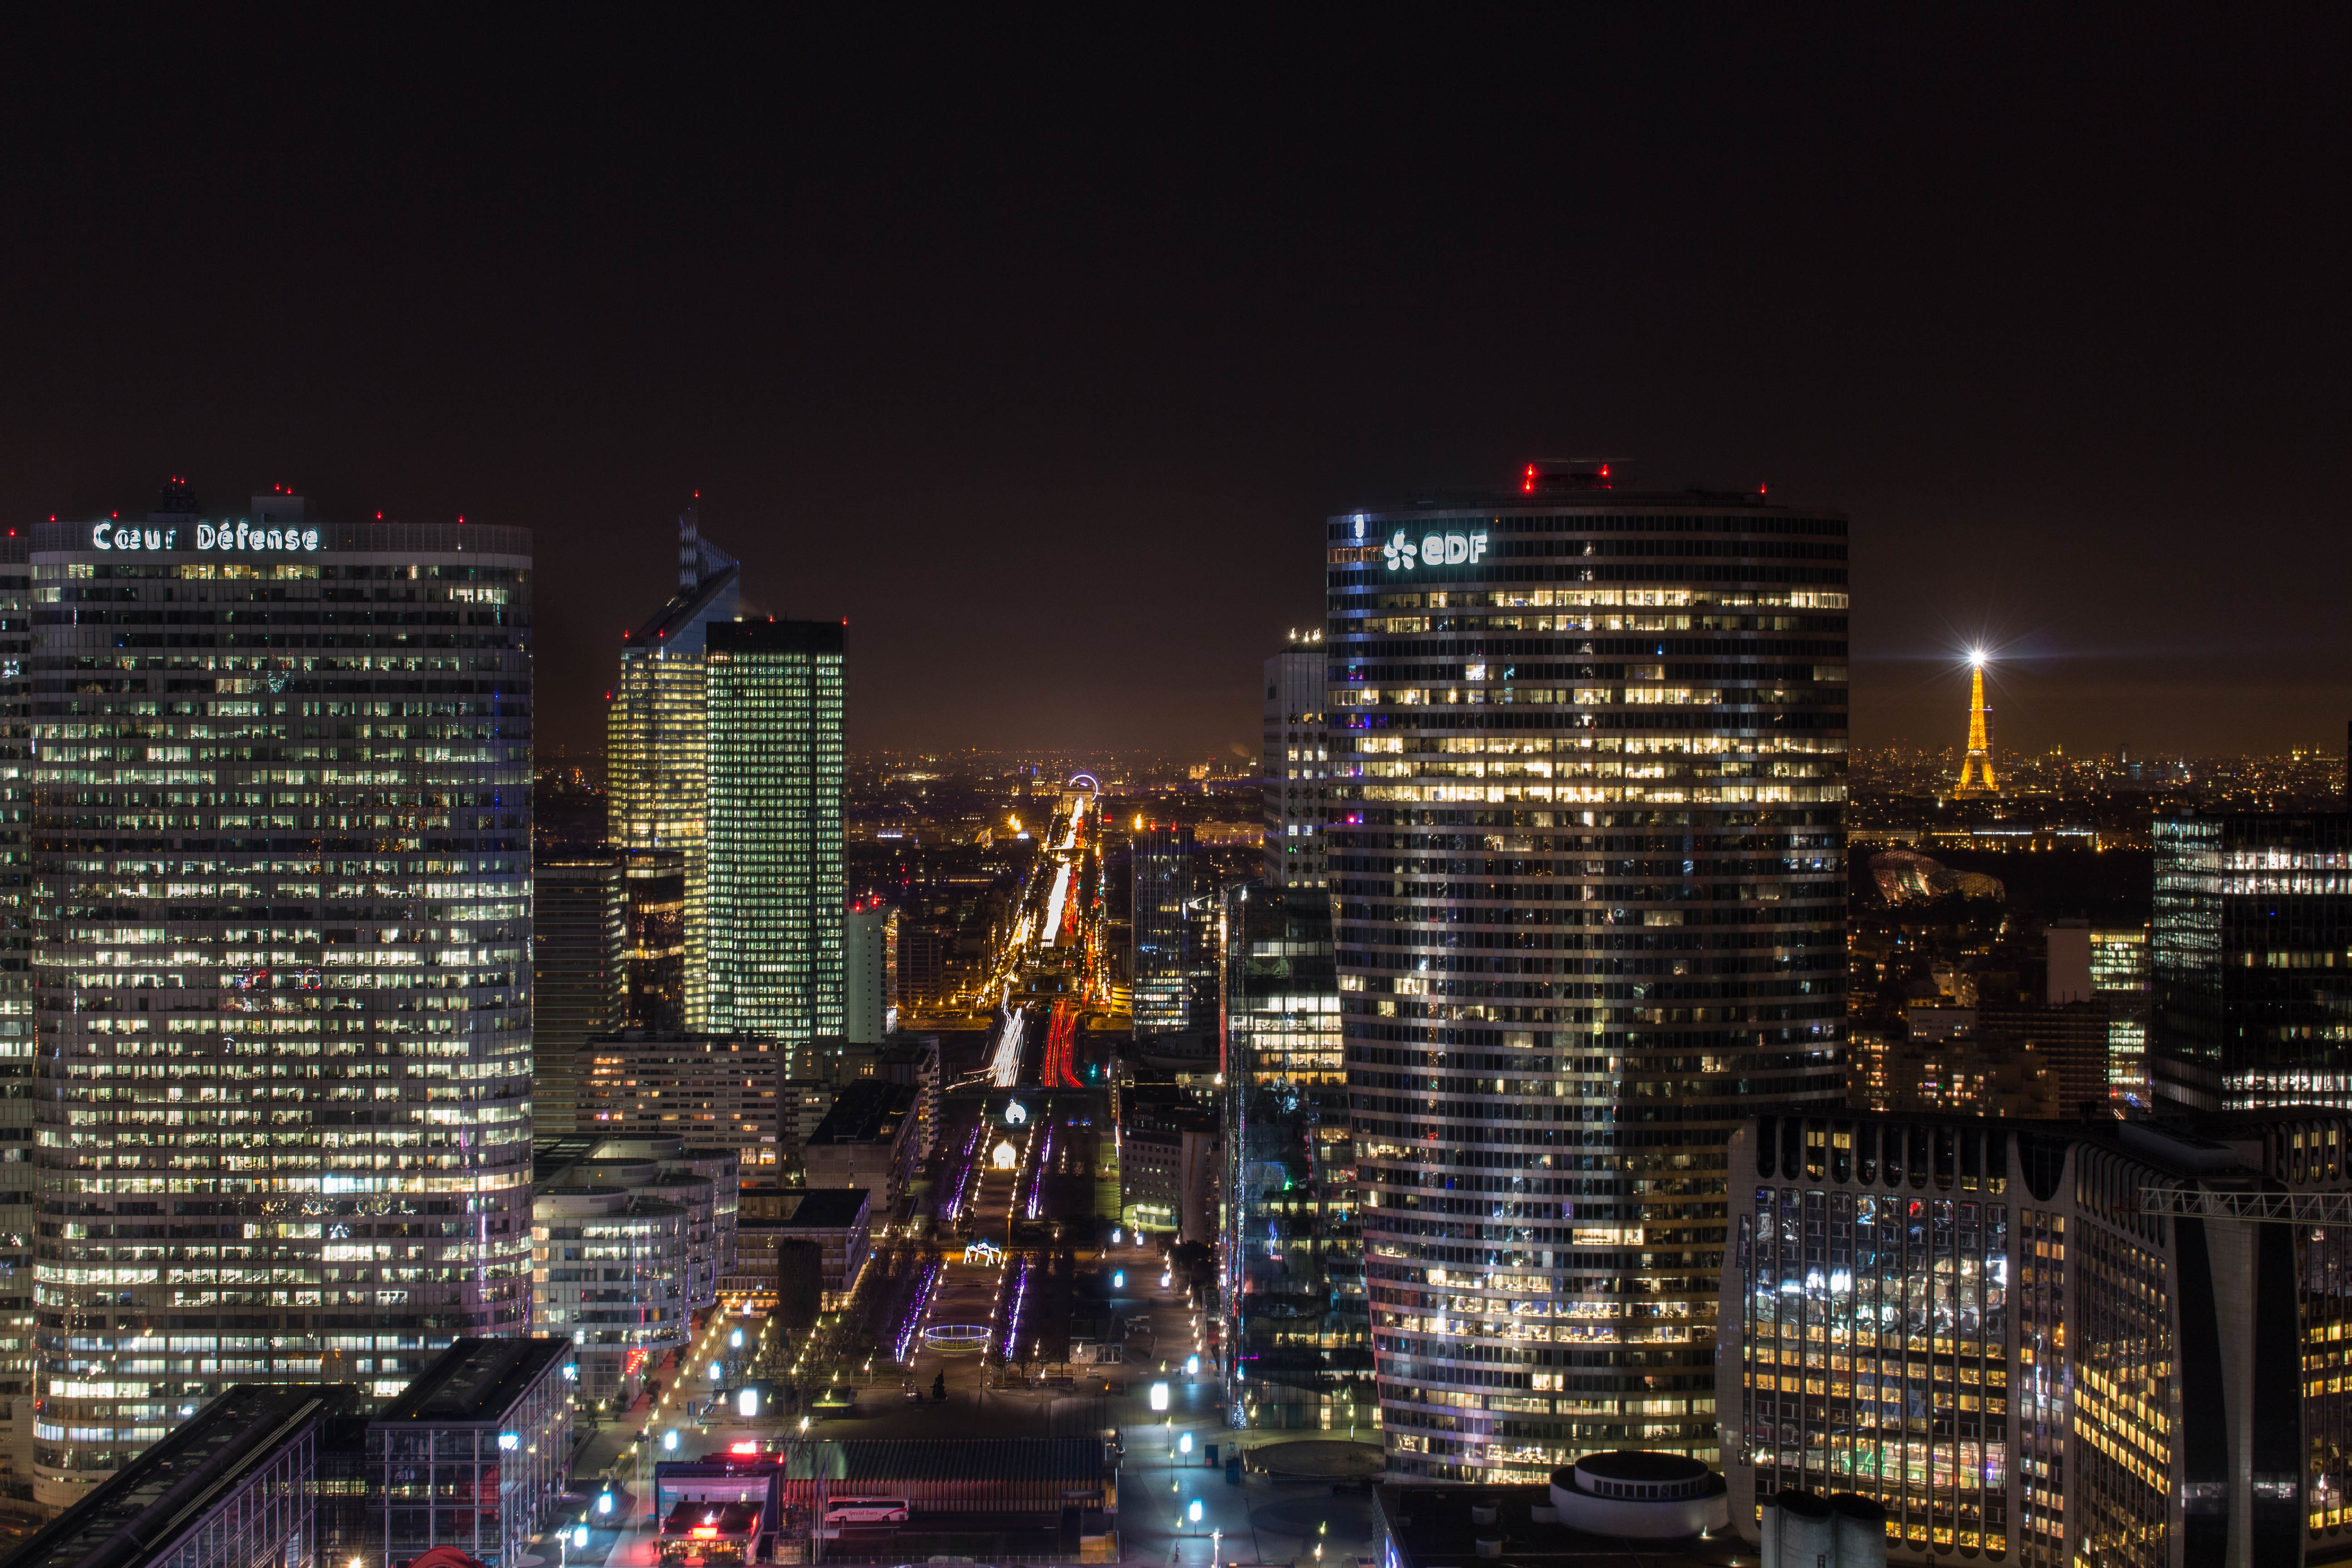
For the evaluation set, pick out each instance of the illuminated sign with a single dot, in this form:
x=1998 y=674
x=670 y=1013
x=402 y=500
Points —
x=1435 y=549
x=209 y=536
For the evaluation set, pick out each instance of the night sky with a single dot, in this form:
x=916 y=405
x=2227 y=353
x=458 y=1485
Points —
x=1040 y=351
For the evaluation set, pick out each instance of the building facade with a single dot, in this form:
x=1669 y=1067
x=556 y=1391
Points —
x=282 y=818
x=870 y=974
x=1587 y=863
x=1298 y=1326
x=476 y=1453
x=578 y=961
x=657 y=751
x=2252 y=926
x=779 y=876
x=1297 y=763
x=232 y=1486
x=1160 y=978
x=2093 y=1342
x=17 y=1222
x=718 y=1091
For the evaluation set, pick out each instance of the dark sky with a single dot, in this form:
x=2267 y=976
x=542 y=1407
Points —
x=1040 y=351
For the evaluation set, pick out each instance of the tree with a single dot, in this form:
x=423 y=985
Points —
x=940 y=1386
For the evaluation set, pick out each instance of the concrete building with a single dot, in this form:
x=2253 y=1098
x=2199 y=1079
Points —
x=227 y=936
x=2099 y=1342
x=629 y=1237
x=909 y=1059
x=869 y=974
x=580 y=976
x=1297 y=763
x=476 y=1453
x=867 y=1139
x=1170 y=1162
x=786 y=1230
x=712 y=1090
x=1589 y=756
x=706 y=1182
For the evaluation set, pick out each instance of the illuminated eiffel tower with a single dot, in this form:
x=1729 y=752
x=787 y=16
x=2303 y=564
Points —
x=1978 y=765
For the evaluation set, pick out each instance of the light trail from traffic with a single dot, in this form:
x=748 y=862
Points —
x=1004 y=1071
x=1054 y=905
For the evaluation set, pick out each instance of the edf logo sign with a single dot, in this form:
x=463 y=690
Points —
x=1435 y=549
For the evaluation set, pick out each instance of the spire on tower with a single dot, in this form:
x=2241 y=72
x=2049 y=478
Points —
x=1977 y=765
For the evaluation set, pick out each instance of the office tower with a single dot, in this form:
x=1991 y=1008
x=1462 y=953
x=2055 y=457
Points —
x=656 y=745
x=281 y=870
x=654 y=907
x=1296 y=1326
x=16 y=1183
x=1586 y=862
x=1160 y=980
x=870 y=969
x=778 y=878
x=2254 y=923
x=2120 y=979
x=580 y=976
x=1296 y=764
x=2086 y=1342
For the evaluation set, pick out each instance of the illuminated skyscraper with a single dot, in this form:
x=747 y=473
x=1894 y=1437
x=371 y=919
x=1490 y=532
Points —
x=1587 y=872
x=1296 y=764
x=16 y=1183
x=281 y=874
x=778 y=876
x=655 y=748
x=1163 y=955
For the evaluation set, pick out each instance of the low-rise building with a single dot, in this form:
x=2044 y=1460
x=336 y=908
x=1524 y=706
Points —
x=867 y=1139
x=909 y=1059
x=710 y=1090
x=705 y=1182
x=788 y=1232
x=1169 y=1168
x=612 y=1263
x=475 y=1453
x=234 y=1486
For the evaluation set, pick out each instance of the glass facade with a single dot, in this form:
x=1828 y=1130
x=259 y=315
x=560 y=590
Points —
x=1993 y=1331
x=2120 y=978
x=580 y=978
x=1296 y=1323
x=282 y=873
x=778 y=877
x=1297 y=762
x=1587 y=861
x=2251 y=953
x=1161 y=984
x=656 y=757
x=16 y=1183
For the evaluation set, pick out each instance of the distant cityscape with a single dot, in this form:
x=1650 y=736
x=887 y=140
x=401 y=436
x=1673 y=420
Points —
x=1556 y=1084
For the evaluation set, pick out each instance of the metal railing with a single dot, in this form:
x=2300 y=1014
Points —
x=2282 y=1209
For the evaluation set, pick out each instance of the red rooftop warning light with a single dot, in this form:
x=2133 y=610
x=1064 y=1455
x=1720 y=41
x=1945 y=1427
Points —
x=1580 y=474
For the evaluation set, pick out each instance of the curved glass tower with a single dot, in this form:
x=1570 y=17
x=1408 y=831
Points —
x=1587 y=872
x=280 y=782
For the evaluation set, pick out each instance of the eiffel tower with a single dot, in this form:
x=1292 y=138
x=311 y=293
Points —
x=1978 y=765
